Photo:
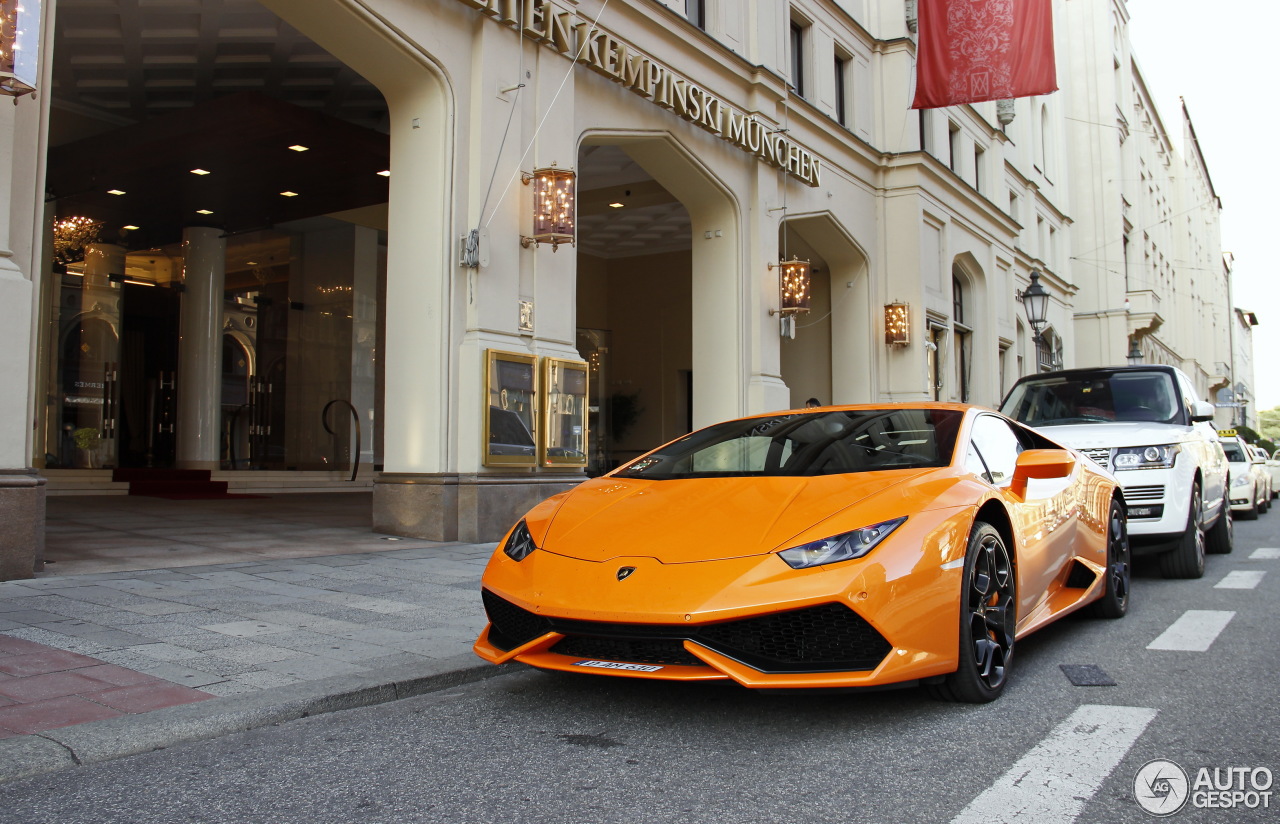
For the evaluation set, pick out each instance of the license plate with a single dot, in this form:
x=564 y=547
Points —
x=614 y=665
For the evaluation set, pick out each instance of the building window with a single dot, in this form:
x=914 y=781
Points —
x=841 y=69
x=953 y=145
x=925 y=121
x=1044 y=353
x=797 y=58
x=696 y=11
x=963 y=340
x=977 y=167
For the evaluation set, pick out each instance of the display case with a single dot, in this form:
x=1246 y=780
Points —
x=563 y=440
x=511 y=425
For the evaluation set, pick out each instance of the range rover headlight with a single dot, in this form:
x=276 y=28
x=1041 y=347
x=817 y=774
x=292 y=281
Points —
x=843 y=547
x=520 y=543
x=1146 y=457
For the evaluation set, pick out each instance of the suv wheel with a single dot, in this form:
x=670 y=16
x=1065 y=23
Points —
x=1186 y=559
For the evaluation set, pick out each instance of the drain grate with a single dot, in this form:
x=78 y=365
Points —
x=1086 y=675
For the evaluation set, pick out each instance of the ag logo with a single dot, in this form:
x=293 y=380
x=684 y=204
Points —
x=625 y=572
x=1161 y=787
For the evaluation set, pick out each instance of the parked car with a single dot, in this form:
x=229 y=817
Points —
x=1249 y=493
x=838 y=547
x=1261 y=454
x=1273 y=469
x=1148 y=426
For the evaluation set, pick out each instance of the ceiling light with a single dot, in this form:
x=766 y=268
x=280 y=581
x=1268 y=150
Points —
x=297 y=148
x=385 y=173
x=203 y=212
x=199 y=172
x=288 y=194
x=115 y=191
x=131 y=228
x=616 y=205
x=251 y=263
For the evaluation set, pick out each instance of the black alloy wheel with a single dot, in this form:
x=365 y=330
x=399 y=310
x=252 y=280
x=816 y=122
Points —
x=1114 y=602
x=988 y=618
x=1186 y=559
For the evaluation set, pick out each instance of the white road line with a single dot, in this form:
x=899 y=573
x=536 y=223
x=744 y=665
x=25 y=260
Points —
x=1240 y=579
x=1265 y=553
x=1058 y=776
x=1194 y=631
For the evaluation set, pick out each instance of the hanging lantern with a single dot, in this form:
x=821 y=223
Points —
x=793 y=286
x=897 y=324
x=19 y=46
x=554 y=204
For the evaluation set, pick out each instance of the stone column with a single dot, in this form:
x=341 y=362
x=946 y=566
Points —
x=22 y=490
x=204 y=269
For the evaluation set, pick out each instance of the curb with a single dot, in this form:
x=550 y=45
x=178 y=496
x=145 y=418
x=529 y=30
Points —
x=60 y=749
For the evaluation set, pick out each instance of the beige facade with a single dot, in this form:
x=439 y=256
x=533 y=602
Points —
x=1147 y=252
x=709 y=145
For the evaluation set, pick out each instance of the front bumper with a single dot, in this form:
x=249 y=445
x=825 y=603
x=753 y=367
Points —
x=1157 y=500
x=889 y=618
x=1244 y=498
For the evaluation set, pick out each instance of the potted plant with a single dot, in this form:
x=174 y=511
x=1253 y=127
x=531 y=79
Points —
x=87 y=438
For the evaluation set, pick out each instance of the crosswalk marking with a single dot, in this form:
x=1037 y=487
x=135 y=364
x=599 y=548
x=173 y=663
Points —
x=1057 y=777
x=1240 y=579
x=1265 y=553
x=1194 y=631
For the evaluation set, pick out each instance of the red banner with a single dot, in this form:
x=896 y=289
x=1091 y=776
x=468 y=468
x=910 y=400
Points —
x=974 y=50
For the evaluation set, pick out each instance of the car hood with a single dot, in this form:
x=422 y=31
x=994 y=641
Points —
x=1098 y=435
x=705 y=519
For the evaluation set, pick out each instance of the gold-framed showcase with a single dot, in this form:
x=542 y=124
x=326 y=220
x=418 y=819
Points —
x=511 y=393
x=563 y=440
x=537 y=411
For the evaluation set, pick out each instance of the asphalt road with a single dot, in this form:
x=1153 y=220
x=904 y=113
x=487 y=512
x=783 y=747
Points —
x=547 y=748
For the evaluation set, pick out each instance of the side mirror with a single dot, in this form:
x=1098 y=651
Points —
x=1201 y=411
x=1042 y=464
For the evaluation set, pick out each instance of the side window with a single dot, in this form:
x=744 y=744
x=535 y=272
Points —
x=999 y=447
x=974 y=465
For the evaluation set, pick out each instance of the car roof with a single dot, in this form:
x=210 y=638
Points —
x=1094 y=370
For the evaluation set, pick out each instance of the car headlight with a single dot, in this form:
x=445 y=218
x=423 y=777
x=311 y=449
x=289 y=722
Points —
x=843 y=547
x=1145 y=457
x=1242 y=480
x=520 y=543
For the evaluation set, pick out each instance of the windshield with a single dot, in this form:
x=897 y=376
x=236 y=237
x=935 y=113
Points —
x=1104 y=396
x=820 y=443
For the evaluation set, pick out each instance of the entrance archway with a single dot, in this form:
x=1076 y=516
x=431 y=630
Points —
x=659 y=299
x=831 y=355
x=417 y=346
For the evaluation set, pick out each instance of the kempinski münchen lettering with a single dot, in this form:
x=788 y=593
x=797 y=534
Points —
x=622 y=63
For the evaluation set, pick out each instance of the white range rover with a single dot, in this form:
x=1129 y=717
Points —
x=1147 y=425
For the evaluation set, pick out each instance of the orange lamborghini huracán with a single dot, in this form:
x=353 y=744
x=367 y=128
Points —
x=853 y=546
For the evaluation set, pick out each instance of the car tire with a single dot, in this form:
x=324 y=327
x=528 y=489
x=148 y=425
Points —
x=988 y=619
x=1186 y=559
x=1114 y=602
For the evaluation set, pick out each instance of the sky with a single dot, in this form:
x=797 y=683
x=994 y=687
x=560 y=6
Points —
x=1218 y=56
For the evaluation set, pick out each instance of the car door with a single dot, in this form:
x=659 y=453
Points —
x=1045 y=523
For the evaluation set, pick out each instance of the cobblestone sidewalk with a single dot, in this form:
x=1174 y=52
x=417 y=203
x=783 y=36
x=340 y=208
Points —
x=235 y=628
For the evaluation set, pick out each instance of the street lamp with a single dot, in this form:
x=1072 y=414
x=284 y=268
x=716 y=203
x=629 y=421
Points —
x=1135 y=352
x=1035 y=299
